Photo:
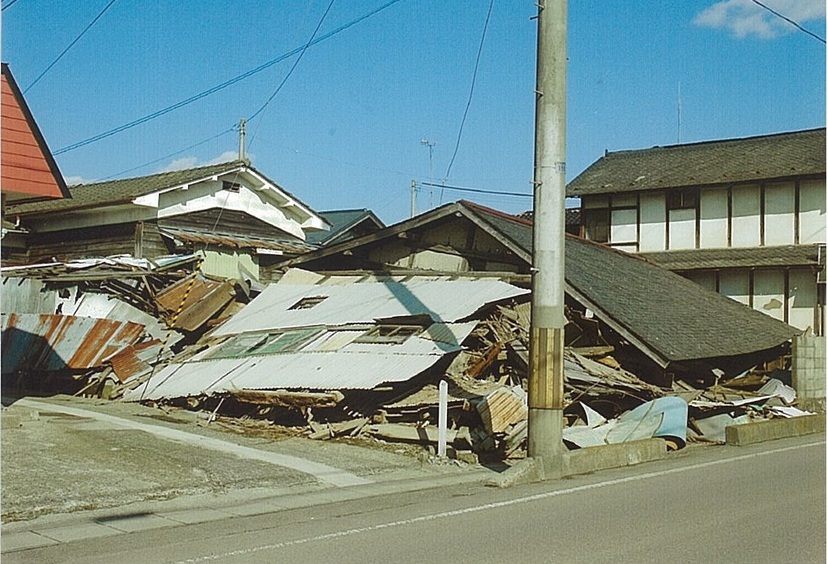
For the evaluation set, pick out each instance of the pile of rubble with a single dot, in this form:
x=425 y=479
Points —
x=351 y=356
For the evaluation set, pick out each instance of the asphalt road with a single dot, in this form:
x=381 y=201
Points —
x=763 y=503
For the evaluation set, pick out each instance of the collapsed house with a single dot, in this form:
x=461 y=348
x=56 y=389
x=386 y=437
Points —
x=355 y=338
x=311 y=342
x=86 y=325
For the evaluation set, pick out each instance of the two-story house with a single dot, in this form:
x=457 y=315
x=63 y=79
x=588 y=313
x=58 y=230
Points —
x=744 y=217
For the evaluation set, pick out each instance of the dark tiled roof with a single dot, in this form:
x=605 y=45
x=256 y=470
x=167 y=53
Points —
x=751 y=159
x=340 y=221
x=709 y=259
x=124 y=190
x=674 y=317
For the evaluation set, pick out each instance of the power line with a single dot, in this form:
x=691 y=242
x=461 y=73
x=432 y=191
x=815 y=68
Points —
x=789 y=20
x=476 y=190
x=290 y=72
x=471 y=90
x=221 y=86
x=8 y=4
x=59 y=57
x=165 y=157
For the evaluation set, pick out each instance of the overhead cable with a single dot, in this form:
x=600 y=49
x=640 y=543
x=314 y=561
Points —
x=476 y=190
x=8 y=4
x=165 y=157
x=223 y=85
x=471 y=90
x=290 y=72
x=59 y=57
x=789 y=20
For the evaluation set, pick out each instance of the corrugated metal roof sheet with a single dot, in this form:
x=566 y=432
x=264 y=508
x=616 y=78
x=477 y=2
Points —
x=279 y=306
x=355 y=366
x=56 y=342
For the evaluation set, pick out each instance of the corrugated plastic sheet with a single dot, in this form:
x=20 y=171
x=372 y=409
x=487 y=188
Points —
x=356 y=366
x=367 y=302
x=56 y=342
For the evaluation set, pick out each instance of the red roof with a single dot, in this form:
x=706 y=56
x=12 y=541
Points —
x=27 y=169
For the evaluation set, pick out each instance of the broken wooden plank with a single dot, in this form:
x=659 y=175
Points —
x=285 y=398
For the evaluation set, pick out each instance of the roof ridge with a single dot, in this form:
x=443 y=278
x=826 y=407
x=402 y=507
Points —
x=228 y=164
x=496 y=213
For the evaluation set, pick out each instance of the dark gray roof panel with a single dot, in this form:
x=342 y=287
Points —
x=751 y=159
x=676 y=318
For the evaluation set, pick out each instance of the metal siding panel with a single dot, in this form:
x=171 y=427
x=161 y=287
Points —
x=366 y=302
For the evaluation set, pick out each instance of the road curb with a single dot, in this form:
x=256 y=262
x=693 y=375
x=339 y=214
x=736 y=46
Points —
x=584 y=461
x=772 y=429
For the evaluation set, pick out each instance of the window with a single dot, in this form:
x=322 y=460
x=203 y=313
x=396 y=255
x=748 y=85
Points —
x=242 y=346
x=230 y=186
x=308 y=302
x=596 y=225
x=685 y=198
x=389 y=334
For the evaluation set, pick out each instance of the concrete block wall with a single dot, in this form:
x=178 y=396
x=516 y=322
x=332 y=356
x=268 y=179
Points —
x=808 y=371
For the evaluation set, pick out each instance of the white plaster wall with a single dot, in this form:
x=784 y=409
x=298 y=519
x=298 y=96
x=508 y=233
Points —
x=769 y=293
x=623 y=226
x=779 y=214
x=653 y=224
x=682 y=229
x=209 y=195
x=802 y=299
x=713 y=218
x=812 y=211
x=745 y=222
x=735 y=284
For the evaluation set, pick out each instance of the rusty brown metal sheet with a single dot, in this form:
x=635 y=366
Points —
x=45 y=342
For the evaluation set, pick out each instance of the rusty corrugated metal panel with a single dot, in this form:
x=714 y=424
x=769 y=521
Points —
x=134 y=360
x=46 y=342
x=205 y=299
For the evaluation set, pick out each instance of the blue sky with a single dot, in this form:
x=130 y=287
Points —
x=346 y=128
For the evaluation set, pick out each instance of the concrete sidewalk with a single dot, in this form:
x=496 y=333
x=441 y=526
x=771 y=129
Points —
x=78 y=468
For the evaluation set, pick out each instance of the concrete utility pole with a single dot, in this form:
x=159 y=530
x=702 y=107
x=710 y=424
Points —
x=546 y=339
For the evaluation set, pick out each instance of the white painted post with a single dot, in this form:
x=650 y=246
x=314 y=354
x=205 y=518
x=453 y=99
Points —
x=442 y=420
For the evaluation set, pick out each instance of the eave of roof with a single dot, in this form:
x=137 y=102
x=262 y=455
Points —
x=749 y=257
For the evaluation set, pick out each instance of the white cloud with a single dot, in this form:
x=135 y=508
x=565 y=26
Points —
x=75 y=180
x=192 y=162
x=745 y=18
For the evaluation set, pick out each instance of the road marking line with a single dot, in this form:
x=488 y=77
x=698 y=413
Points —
x=487 y=506
x=322 y=472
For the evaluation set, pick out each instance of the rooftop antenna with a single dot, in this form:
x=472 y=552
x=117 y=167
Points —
x=430 y=145
x=242 y=133
x=678 y=134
